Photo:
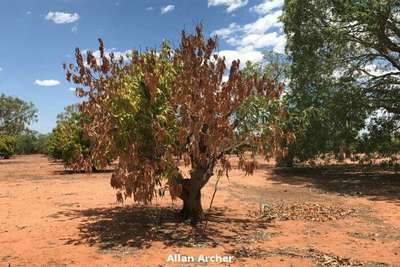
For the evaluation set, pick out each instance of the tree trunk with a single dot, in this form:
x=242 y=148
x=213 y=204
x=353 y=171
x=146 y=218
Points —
x=189 y=190
x=190 y=193
x=192 y=208
x=287 y=161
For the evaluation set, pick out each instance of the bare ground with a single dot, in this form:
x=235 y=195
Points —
x=337 y=216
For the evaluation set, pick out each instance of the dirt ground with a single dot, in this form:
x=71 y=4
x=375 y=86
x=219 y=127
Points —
x=337 y=216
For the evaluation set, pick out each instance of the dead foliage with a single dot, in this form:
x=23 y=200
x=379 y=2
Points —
x=320 y=258
x=162 y=107
x=306 y=211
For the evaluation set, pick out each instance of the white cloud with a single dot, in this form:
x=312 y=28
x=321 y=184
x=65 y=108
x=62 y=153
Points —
x=243 y=56
x=259 y=41
x=73 y=89
x=167 y=9
x=264 y=23
x=231 y=5
x=280 y=44
x=61 y=17
x=149 y=8
x=1 y=69
x=117 y=54
x=260 y=26
x=263 y=33
x=226 y=32
x=47 y=82
x=267 y=6
x=28 y=12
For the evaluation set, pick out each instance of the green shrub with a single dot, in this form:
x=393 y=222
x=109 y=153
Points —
x=31 y=142
x=7 y=146
x=68 y=143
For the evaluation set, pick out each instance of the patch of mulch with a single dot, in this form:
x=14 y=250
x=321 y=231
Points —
x=259 y=253
x=318 y=257
x=305 y=211
x=327 y=259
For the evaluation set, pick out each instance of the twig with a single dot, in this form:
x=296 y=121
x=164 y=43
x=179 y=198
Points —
x=212 y=200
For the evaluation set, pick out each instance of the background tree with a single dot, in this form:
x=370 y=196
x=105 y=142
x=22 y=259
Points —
x=351 y=41
x=31 y=142
x=325 y=120
x=15 y=115
x=275 y=66
x=7 y=146
x=68 y=142
x=163 y=107
x=344 y=57
x=382 y=135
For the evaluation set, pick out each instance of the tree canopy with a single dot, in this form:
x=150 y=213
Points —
x=15 y=115
x=31 y=142
x=7 y=146
x=69 y=143
x=344 y=65
x=345 y=42
x=163 y=107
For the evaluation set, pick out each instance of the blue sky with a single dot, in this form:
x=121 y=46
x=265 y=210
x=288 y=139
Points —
x=39 y=35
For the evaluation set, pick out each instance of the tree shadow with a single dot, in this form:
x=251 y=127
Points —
x=137 y=227
x=373 y=182
x=12 y=161
x=71 y=172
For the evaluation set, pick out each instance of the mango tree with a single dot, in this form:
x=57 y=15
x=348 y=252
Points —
x=69 y=143
x=161 y=108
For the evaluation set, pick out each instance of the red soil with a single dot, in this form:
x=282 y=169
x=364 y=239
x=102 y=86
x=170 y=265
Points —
x=49 y=217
